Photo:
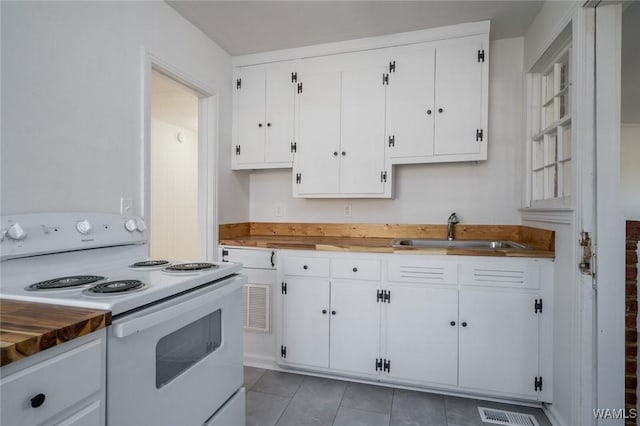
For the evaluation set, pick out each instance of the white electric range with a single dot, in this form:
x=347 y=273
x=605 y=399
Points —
x=174 y=349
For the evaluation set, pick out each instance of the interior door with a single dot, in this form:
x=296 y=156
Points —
x=251 y=116
x=458 y=98
x=280 y=107
x=362 y=126
x=318 y=129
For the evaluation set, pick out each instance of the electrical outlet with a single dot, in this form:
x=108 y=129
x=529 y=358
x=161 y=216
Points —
x=347 y=210
x=279 y=210
x=126 y=206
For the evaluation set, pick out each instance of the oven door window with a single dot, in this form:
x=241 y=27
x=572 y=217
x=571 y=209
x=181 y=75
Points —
x=178 y=351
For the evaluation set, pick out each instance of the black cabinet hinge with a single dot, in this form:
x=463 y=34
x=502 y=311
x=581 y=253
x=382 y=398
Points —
x=283 y=351
x=392 y=141
x=387 y=366
x=298 y=177
x=378 y=364
x=379 y=296
x=392 y=66
x=387 y=296
x=383 y=296
x=537 y=383
x=294 y=77
x=238 y=83
x=479 y=135
x=225 y=253
x=283 y=288
x=383 y=176
x=537 y=306
x=237 y=149
x=299 y=87
x=385 y=79
x=481 y=55
x=294 y=147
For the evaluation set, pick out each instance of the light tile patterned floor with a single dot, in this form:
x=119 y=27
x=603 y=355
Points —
x=277 y=398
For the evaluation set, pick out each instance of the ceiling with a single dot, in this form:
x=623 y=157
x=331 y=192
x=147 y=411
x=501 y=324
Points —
x=173 y=102
x=243 y=27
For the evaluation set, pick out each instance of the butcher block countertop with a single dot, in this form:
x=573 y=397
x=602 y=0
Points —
x=27 y=328
x=378 y=238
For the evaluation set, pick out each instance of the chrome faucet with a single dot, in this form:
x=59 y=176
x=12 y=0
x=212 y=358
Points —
x=453 y=219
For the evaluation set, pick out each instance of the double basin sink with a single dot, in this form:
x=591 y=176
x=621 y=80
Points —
x=468 y=244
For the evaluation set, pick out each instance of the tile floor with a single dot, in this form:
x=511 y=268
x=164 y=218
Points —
x=277 y=398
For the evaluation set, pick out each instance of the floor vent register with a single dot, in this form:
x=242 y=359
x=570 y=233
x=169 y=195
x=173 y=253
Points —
x=501 y=417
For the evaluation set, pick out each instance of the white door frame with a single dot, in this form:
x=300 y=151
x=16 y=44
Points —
x=208 y=113
x=610 y=229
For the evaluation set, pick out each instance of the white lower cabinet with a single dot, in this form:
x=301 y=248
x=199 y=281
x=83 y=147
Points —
x=454 y=323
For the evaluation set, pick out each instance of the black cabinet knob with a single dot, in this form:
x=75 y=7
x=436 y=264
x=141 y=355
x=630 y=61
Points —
x=355 y=269
x=259 y=124
x=305 y=267
x=324 y=311
x=333 y=312
x=38 y=400
x=440 y=110
x=335 y=153
x=428 y=112
x=464 y=324
x=344 y=153
x=268 y=124
x=453 y=323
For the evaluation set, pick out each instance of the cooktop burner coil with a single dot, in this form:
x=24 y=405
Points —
x=149 y=264
x=193 y=266
x=116 y=287
x=65 y=282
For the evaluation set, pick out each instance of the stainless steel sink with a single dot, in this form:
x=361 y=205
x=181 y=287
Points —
x=472 y=244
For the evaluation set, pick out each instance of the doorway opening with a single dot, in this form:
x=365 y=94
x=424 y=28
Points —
x=174 y=170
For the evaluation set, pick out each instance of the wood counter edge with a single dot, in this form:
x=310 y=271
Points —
x=27 y=328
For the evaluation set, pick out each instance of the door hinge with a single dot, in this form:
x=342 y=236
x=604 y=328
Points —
x=537 y=306
x=237 y=149
x=383 y=177
x=283 y=351
x=378 y=364
x=294 y=147
x=385 y=79
x=387 y=296
x=587 y=254
x=299 y=87
x=379 y=296
x=283 y=287
x=392 y=141
x=479 y=135
x=537 y=383
x=225 y=253
x=481 y=55
x=387 y=366
x=294 y=77
x=298 y=177
x=392 y=66
x=238 y=83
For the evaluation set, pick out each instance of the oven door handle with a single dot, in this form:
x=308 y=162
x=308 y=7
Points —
x=170 y=313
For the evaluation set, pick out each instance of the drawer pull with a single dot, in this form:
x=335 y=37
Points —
x=453 y=323
x=324 y=311
x=333 y=312
x=38 y=400
x=305 y=267
x=464 y=324
x=355 y=269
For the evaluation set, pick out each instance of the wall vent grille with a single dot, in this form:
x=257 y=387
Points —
x=256 y=308
x=502 y=417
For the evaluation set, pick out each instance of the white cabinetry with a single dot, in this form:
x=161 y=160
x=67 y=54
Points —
x=437 y=101
x=62 y=385
x=340 y=148
x=263 y=122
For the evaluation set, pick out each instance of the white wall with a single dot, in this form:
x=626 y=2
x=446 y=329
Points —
x=630 y=170
x=485 y=192
x=174 y=193
x=72 y=118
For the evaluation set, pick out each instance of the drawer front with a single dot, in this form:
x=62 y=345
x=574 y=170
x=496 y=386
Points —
x=256 y=259
x=517 y=275
x=356 y=269
x=306 y=266
x=64 y=380
x=415 y=271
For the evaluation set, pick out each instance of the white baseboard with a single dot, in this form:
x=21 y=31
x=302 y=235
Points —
x=259 y=361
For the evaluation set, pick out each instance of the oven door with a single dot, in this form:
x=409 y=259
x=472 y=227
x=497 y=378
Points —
x=176 y=362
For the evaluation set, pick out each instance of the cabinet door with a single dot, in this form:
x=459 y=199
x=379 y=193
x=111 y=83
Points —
x=459 y=89
x=305 y=327
x=421 y=343
x=499 y=345
x=318 y=128
x=355 y=327
x=280 y=99
x=362 y=150
x=251 y=115
x=410 y=105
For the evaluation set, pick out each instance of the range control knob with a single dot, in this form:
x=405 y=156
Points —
x=130 y=225
x=83 y=226
x=15 y=232
x=140 y=225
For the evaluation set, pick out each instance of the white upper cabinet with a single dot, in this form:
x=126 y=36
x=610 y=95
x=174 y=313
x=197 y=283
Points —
x=437 y=101
x=264 y=105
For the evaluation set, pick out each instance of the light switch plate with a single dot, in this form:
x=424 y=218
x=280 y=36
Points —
x=126 y=206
